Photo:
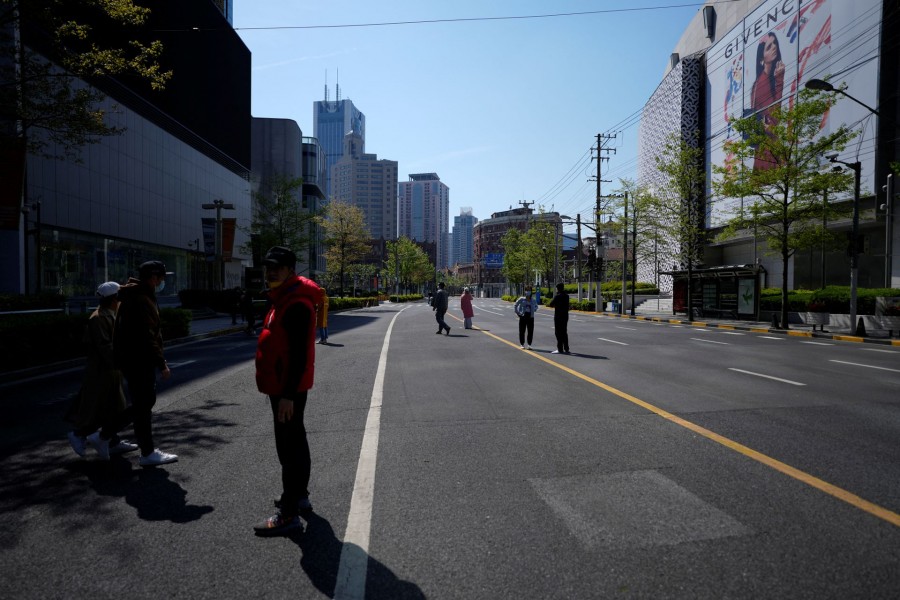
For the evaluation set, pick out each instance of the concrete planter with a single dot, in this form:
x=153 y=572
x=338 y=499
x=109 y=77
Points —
x=816 y=319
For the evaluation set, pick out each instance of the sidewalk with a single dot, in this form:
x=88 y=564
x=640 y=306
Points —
x=200 y=329
x=875 y=337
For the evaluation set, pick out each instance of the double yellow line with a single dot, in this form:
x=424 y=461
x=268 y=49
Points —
x=830 y=489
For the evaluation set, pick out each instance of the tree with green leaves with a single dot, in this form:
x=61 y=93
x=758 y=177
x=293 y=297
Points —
x=279 y=218
x=515 y=257
x=678 y=206
x=540 y=245
x=777 y=171
x=346 y=237
x=46 y=46
x=408 y=263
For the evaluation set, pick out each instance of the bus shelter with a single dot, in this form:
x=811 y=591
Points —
x=728 y=291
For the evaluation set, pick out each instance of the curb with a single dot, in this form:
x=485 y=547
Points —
x=754 y=329
x=78 y=363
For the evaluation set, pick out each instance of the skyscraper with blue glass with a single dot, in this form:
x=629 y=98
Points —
x=332 y=120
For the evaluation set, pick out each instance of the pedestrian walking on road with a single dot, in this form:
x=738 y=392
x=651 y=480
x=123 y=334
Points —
x=285 y=364
x=138 y=351
x=248 y=311
x=322 y=317
x=525 y=308
x=101 y=400
x=465 y=303
x=560 y=305
x=439 y=305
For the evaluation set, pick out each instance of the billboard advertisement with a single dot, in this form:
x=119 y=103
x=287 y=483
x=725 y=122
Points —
x=767 y=58
x=493 y=260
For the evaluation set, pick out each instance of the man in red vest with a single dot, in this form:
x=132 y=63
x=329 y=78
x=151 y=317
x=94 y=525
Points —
x=285 y=362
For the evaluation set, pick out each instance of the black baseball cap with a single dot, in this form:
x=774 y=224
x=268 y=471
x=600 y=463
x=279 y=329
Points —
x=279 y=256
x=151 y=267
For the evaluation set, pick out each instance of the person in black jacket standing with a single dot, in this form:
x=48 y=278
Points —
x=138 y=351
x=560 y=305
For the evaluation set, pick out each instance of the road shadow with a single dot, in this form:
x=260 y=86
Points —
x=321 y=557
x=149 y=490
x=45 y=477
x=578 y=354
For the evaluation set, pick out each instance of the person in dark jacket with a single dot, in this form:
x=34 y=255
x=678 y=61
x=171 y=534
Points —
x=138 y=350
x=285 y=365
x=560 y=306
x=101 y=400
x=439 y=306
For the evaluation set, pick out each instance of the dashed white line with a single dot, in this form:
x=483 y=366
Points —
x=879 y=350
x=710 y=341
x=766 y=376
x=770 y=337
x=731 y=333
x=627 y=328
x=613 y=341
x=844 y=362
x=818 y=343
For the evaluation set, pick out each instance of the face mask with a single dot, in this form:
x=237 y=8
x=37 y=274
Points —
x=273 y=284
x=160 y=287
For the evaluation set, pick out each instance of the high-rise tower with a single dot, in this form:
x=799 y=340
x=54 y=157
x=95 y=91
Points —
x=332 y=120
x=424 y=213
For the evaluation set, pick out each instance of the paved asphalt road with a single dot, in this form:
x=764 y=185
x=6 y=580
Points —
x=658 y=461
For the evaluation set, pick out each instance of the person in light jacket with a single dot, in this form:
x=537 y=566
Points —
x=322 y=318
x=465 y=303
x=525 y=308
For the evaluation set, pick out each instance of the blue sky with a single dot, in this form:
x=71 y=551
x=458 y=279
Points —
x=503 y=110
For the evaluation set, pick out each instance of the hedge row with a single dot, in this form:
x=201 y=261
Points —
x=406 y=297
x=32 y=340
x=832 y=299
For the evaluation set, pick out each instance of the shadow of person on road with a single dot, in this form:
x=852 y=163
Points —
x=149 y=490
x=322 y=557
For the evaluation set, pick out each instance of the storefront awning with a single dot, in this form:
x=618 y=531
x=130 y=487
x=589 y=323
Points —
x=716 y=272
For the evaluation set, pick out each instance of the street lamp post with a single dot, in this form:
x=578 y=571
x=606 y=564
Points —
x=218 y=205
x=888 y=216
x=822 y=85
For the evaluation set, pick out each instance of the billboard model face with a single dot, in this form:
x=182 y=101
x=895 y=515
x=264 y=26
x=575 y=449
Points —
x=766 y=59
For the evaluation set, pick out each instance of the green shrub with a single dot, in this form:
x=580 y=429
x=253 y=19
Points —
x=406 y=297
x=11 y=302
x=175 y=323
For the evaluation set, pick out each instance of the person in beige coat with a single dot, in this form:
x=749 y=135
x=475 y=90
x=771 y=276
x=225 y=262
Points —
x=101 y=400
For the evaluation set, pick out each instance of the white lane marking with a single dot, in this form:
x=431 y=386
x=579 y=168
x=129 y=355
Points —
x=844 y=362
x=879 y=350
x=818 y=343
x=731 y=333
x=770 y=337
x=710 y=341
x=628 y=328
x=766 y=376
x=677 y=326
x=701 y=330
x=176 y=365
x=351 y=576
x=489 y=311
x=613 y=341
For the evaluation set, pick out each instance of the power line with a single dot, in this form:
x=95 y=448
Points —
x=476 y=19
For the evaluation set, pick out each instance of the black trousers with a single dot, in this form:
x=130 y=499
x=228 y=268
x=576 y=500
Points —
x=526 y=322
x=561 y=328
x=142 y=391
x=293 y=454
x=439 y=317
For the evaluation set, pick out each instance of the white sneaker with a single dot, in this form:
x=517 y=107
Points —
x=528 y=346
x=157 y=458
x=523 y=346
x=122 y=447
x=79 y=444
x=99 y=444
x=555 y=352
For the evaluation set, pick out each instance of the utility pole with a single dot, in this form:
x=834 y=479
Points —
x=624 y=258
x=578 y=255
x=601 y=139
x=527 y=206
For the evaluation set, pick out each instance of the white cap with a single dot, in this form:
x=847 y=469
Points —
x=110 y=288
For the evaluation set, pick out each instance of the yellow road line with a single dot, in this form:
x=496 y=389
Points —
x=699 y=324
x=732 y=327
x=821 y=485
x=759 y=330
